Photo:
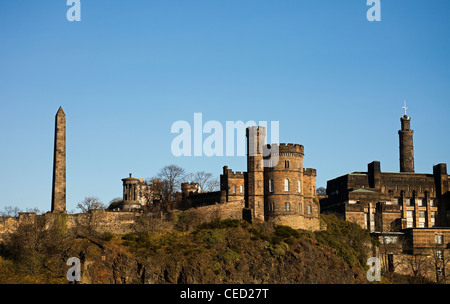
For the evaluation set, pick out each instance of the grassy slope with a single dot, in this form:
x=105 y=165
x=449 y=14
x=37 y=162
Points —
x=227 y=251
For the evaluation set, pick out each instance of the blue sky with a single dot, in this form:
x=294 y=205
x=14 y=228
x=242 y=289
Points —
x=124 y=74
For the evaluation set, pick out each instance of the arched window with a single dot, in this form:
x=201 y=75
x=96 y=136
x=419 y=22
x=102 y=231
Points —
x=286 y=185
x=270 y=185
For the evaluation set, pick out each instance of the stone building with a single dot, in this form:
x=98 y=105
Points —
x=392 y=201
x=138 y=194
x=407 y=212
x=283 y=193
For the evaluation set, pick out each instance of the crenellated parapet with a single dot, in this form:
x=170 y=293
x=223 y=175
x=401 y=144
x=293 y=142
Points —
x=285 y=149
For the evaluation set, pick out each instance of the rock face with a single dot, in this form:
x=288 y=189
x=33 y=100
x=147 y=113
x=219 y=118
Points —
x=212 y=256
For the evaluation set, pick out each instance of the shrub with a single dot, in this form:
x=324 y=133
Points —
x=348 y=239
x=222 y=224
x=277 y=250
x=286 y=232
x=212 y=237
x=229 y=256
x=107 y=236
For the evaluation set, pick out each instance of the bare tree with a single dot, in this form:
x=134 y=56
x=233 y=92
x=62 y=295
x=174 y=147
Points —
x=151 y=222
x=34 y=210
x=420 y=265
x=441 y=258
x=212 y=185
x=38 y=245
x=171 y=177
x=321 y=191
x=90 y=203
x=10 y=211
x=205 y=181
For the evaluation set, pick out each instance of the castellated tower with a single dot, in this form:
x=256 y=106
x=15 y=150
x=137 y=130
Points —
x=284 y=193
x=188 y=189
x=59 y=164
x=406 y=145
x=254 y=194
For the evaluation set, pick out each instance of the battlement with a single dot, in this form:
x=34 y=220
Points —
x=287 y=148
x=237 y=174
x=256 y=131
x=230 y=174
x=309 y=172
x=189 y=185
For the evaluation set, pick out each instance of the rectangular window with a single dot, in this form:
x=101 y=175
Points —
x=300 y=208
x=409 y=219
x=432 y=203
x=439 y=239
x=408 y=202
x=270 y=185
x=299 y=186
x=309 y=208
x=286 y=185
x=234 y=188
x=421 y=202
x=396 y=201
x=422 y=214
x=287 y=206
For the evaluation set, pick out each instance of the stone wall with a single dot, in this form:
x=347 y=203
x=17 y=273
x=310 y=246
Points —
x=230 y=210
x=101 y=221
x=298 y=222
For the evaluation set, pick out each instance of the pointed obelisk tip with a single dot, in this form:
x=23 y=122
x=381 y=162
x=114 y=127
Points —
x=60 y=111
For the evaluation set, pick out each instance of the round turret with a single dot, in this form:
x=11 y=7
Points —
x=188 y=189
x=283 y=182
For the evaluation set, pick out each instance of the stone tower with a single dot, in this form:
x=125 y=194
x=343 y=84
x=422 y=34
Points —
x=285 y=183
x=406 y=145
x=59 y=164
x=254 y=194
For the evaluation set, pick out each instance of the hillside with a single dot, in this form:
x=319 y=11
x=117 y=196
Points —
x=229 y=251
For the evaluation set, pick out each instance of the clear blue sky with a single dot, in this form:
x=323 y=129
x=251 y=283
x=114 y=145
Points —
x=124 y=74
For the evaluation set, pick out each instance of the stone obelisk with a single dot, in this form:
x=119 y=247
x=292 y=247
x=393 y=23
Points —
x=59 y=164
